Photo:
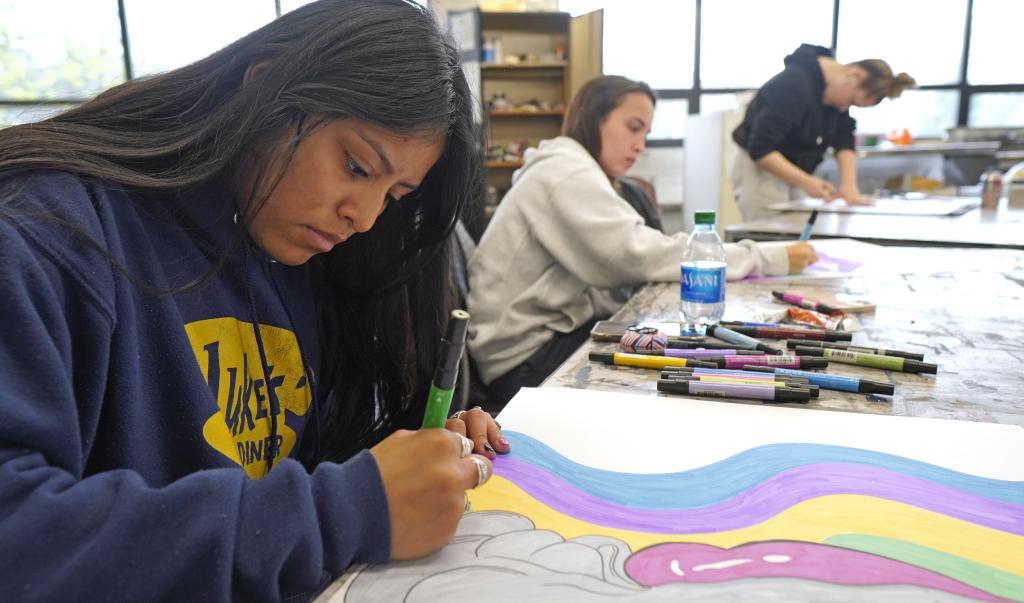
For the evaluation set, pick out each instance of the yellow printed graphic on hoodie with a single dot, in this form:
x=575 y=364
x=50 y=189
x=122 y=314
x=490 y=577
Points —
x=229 y=359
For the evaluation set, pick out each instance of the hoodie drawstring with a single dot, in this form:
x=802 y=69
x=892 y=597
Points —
x=271 y=393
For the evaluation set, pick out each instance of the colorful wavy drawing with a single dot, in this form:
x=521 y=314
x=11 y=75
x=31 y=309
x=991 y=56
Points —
x=804 y=511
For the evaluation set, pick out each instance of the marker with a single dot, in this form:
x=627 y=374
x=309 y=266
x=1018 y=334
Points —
x=645 y=361
x=855 y=348
x=892 y=363
x=749 y=373
x=736 y=323
x=702 y=352
x=439 y=400
x=740 y=340
x=805 y=302
x=840 y=383
x=795 y=333
x=813 y=389
x=753 y=379
x=806 y=234
x=797 y=362
x=745 y=391
x=681 y=344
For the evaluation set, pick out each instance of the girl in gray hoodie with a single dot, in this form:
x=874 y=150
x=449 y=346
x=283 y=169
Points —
x=564 y=249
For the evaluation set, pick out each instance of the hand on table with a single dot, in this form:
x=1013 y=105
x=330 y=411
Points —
x=818 y=188
x=852 y=196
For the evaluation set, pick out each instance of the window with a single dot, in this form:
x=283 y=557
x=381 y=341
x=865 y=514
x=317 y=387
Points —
x=73 y=57
x=12 y=115
x=710 y=103
x=743 y=42
x=921 y=37
x=168 y=35
x=651 y=40
x=669 y=119
x=289 y=5
x=996 y=109
x=925 y=113
x=995 y=31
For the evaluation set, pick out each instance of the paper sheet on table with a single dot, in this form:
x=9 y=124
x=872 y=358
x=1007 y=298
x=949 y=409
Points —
x=849 y=258
x=929 y=206
x=649 y=498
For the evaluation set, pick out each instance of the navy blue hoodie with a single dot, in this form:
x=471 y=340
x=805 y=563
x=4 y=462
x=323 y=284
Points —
x=133 y=424
x=789 y=116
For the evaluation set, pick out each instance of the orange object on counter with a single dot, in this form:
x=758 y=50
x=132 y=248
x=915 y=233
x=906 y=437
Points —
x=803 y=316
x=901 y=136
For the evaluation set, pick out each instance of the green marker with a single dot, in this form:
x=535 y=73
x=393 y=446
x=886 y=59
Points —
x=443 y=386
x=892 y=363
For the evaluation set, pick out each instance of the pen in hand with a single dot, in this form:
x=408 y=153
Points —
x=806 y=234
x=443 y=384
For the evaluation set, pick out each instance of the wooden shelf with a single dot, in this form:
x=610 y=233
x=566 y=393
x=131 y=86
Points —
x=522 y=113
x=555 y=65
x=503 y=165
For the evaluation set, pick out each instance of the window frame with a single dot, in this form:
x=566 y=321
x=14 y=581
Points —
x=127 y=66
x=962 y=87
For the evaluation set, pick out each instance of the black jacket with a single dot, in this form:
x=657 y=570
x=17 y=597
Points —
x=788 y=115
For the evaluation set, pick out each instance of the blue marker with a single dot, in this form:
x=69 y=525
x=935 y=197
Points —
x=740 y=340
x=806 y=234
x=840 y=383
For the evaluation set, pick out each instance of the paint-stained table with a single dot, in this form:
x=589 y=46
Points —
x=962 y=308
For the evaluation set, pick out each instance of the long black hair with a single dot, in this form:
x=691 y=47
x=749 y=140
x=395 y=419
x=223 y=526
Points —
x=383 y=295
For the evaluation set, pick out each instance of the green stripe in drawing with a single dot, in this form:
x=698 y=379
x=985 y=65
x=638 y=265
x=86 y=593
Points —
x=984 y=577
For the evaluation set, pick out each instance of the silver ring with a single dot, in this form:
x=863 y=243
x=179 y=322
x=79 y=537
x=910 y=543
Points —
x=467 y=447
x=482 y=472
x=458 y=415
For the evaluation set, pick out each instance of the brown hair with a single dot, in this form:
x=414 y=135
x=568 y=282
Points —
x=880 y=82
x=592 y=103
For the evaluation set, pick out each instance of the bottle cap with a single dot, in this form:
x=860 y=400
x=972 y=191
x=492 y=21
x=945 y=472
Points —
x=704 y=217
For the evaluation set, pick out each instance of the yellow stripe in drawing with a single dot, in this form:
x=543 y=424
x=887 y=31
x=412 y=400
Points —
x=813 y=520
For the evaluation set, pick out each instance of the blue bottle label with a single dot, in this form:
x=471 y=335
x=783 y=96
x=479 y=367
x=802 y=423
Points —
x=702 y=285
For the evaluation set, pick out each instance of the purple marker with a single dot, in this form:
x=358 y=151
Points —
x=804 y=302
x=794 y=362
x=702 y=353
x=745 y=391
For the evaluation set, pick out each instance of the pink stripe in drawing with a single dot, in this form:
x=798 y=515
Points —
x=702 y=563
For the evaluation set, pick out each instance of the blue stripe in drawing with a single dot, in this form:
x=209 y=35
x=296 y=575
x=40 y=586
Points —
x=731 y=476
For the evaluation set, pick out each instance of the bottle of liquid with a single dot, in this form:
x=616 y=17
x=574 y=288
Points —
x=702 y=274
x=487 y=56
x=991 y=188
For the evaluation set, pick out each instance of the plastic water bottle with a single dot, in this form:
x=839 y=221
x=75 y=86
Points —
x=702 y=274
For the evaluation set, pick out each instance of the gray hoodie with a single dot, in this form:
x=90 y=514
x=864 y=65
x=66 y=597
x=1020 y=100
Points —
x=564 y=248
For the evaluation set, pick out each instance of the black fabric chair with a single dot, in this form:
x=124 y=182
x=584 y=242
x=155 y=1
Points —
x=470 y=389
x=640 y=194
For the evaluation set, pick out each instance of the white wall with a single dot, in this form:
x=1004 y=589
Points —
x=662 y=167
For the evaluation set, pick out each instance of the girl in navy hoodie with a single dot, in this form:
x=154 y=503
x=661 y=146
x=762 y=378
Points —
x=236 y=270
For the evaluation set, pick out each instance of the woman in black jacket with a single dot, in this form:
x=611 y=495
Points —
x=795 y=117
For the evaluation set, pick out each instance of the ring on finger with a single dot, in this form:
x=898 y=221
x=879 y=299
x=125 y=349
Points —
x=457 y=415
x=467 y=446
x=482 y=472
